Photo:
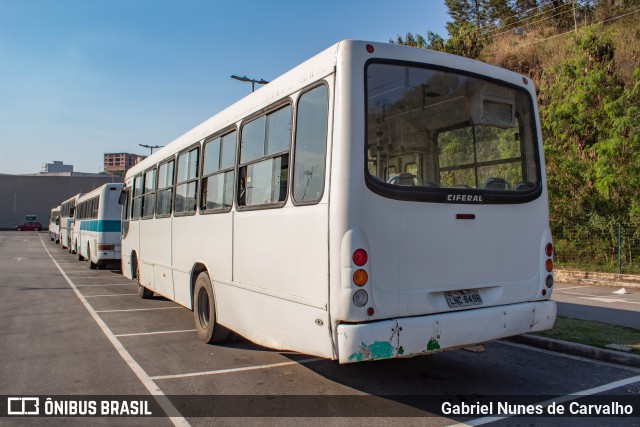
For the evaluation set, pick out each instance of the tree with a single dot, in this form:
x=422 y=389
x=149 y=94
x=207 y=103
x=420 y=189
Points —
x=591 y=125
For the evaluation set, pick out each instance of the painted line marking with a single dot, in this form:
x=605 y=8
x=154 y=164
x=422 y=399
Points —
x=155 y=333
x=172 y=412
x=568 y=356
x=108 y=295
x=137 y=309
x=561 y=399
x=106 y=284
x=609 y=300
x=233 y=370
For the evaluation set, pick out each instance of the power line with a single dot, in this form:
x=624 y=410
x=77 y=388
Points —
x=529 y=24
x=572 y=31
x=582 y=4
x=586 y=26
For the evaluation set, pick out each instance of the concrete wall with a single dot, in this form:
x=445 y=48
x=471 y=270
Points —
x=26 y=195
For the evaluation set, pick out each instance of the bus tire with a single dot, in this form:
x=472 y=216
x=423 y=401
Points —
x=143 y=292
x=92 y=265
x=204 y=312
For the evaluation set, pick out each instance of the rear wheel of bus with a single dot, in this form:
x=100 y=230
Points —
x=204 y=312
x=143 y=292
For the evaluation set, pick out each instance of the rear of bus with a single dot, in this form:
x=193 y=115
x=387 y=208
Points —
x=109 y=225
x=439 y=222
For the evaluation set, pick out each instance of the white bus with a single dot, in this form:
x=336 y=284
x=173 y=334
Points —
x=67 y=212
x=54 y=225
x=97 y=227
x=377 y=201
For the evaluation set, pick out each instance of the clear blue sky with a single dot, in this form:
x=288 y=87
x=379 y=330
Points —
x=79 y=78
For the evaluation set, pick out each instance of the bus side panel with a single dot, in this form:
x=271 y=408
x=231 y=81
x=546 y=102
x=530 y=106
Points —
x=283 y=250
x=273 y=322
x=281 y=264
x=204 y=239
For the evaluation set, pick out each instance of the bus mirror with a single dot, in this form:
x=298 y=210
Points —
x=122 y=199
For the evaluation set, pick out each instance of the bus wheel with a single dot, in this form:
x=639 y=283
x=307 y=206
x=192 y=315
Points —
x=80 y=257
x=143 y=292
x=92 y=265
x=204 y=312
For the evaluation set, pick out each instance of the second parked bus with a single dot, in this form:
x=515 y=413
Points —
x=96 y=232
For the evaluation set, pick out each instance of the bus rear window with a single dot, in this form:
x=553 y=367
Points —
x=432 y=132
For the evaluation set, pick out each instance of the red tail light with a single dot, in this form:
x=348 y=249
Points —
x=548 y=250
x=360 y=257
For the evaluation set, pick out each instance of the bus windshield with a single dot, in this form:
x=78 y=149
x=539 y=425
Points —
x=431 y=131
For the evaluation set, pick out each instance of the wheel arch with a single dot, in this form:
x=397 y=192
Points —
x=198 y=267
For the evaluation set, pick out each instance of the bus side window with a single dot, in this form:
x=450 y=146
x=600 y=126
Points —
x=310 y=146
x=264 y=159
x=218 y=173
x=149 y=196
x=136 y=208
x=165 y=189
x=187 y=181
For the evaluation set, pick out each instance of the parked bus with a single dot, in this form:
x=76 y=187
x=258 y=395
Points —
x=54 y=225
x=377 y=201
x=67 y=212
x=96 y=231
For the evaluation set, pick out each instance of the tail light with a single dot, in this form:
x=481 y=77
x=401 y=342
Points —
x=360 y=257
x=549 y=250
x=360 y=277
x=548 y=265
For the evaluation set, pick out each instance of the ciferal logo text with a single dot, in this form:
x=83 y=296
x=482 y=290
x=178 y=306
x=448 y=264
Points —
x=465 y=198
x=23 y=406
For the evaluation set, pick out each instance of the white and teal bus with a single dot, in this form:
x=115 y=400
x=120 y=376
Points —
x=54 y=225
x=377 y=201
x=67 y=213
x=97 y=227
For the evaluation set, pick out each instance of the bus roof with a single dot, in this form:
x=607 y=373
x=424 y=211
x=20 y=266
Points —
x=311 y=70
x=315 y=68
x=97 y=191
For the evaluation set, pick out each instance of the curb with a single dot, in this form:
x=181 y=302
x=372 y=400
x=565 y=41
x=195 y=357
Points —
x=576 y=349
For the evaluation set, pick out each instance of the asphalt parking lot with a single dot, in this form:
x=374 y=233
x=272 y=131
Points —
x=69 y=330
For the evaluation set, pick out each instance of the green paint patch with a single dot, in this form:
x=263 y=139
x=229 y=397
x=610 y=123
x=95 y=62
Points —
x=377 y=350
x=433 y=344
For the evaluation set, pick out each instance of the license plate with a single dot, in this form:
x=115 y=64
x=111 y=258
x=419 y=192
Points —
x=463 y=298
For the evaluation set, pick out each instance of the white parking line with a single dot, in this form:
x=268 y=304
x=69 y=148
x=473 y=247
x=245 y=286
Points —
x=155 y=333
x=232 y=370
x=137 y=309
x=107 y=295
x=610 y=300
x=577 y=293
x=560 y=399
x=106 y=284
x=174 y=415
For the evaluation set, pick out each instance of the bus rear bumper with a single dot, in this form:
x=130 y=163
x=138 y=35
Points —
x=412 y=336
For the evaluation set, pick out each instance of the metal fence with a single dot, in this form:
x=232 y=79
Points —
x=615 y=250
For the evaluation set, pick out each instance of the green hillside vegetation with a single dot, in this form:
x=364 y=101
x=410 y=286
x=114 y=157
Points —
x=584 y=57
